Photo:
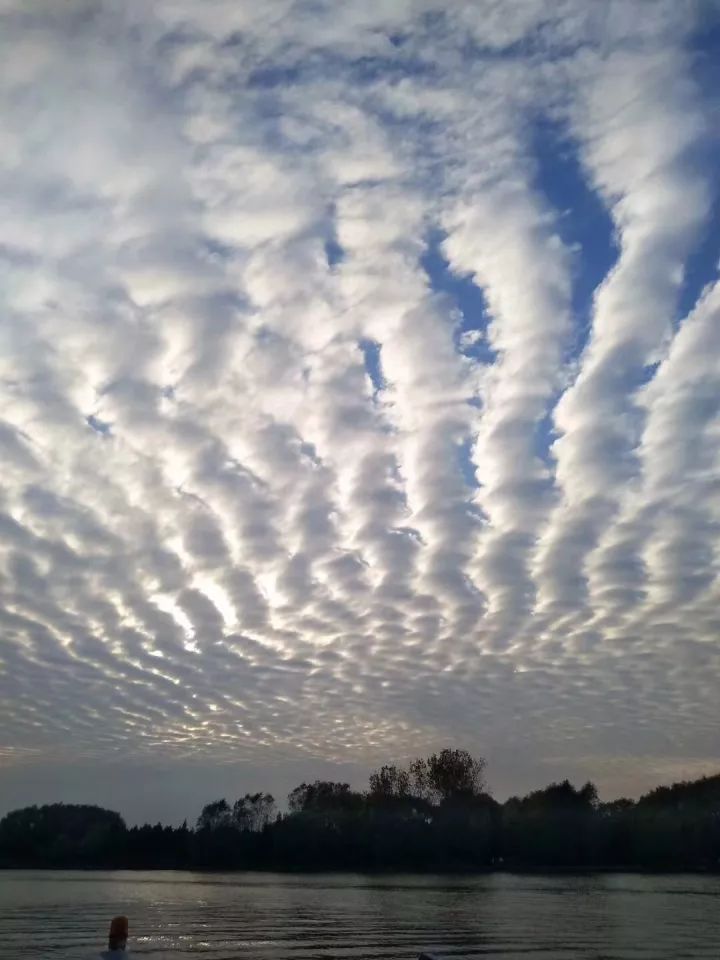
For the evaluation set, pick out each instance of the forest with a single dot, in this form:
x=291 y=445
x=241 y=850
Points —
x=436 y=814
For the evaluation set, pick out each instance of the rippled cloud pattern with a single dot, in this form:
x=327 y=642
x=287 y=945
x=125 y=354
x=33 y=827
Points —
x=360 y=380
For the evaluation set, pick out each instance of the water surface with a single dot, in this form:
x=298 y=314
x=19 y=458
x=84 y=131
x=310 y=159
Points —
x=64 y=915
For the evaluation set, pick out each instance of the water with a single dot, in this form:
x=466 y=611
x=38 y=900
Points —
x=64 y=915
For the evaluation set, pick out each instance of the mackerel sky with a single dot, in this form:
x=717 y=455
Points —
x=359 y=393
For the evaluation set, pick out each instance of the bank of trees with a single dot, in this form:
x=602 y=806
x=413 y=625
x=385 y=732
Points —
x=435 y=814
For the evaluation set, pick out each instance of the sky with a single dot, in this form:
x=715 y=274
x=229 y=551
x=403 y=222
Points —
x=359 y=394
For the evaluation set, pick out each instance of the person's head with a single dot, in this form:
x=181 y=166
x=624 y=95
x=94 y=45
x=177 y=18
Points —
x=118 y=933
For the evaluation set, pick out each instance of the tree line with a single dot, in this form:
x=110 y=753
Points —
x=435 y=814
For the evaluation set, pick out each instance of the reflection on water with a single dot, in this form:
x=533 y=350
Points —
x=225 y=916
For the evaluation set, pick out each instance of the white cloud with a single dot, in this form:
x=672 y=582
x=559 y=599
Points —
x=239 y=424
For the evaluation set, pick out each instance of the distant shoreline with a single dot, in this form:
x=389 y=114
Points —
x=435 y=817
x=548 y=871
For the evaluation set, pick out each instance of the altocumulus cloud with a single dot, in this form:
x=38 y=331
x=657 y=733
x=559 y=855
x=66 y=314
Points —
x=312 y=443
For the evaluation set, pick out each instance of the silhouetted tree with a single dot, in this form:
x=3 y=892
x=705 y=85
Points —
x=455 y=774
x=323 y=796
x=61 y=834
x=679 y=825
x=433 y=815
x=389 y=783
x=215 y=815
x=552 y=826
x=450 y=773
x=253 y=812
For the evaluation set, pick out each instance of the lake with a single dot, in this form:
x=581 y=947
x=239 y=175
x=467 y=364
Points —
x=275 y=916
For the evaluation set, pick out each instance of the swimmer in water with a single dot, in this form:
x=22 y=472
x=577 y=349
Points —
x=117 y=940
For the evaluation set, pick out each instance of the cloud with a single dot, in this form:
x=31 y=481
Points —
x=268 y=491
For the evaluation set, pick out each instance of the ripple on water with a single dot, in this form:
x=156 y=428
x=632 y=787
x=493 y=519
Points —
x=64 y=915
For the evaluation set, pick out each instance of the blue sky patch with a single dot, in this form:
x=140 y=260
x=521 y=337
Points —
x=583 y=222
x=466 y=296
x=371 y=354
x=98 y=425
